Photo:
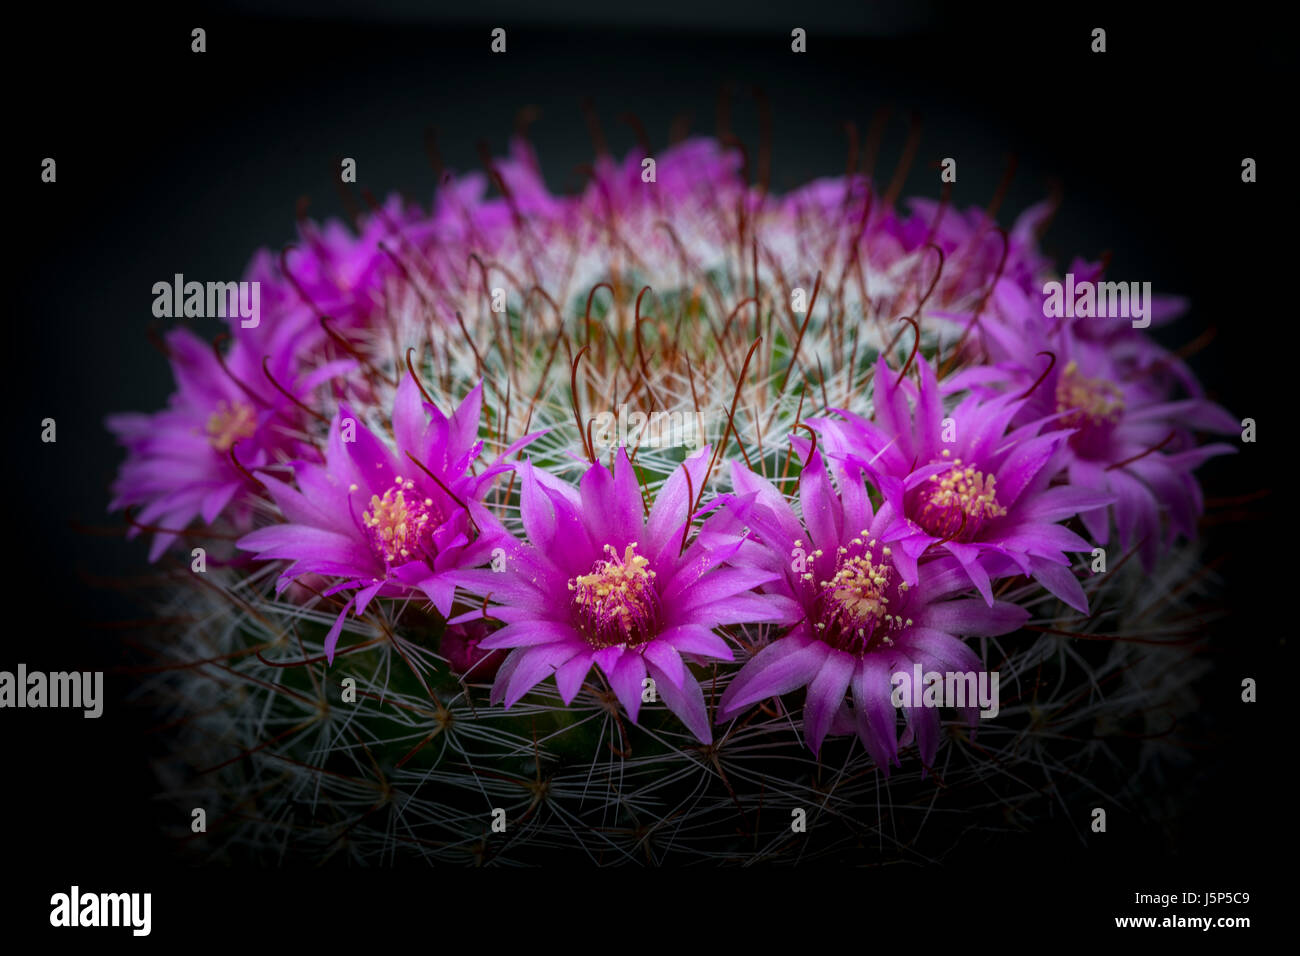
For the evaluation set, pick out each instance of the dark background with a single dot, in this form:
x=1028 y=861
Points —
x=170 y=162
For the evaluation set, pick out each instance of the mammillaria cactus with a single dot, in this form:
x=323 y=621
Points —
x=605 y=524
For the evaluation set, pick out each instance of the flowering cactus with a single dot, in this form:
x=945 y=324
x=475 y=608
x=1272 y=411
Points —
x=884 y=452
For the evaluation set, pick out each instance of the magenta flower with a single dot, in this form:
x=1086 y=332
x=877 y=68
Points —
x=974 y=248
x=1119 y=392
x=387 y=521
x=856 y=620
x=331 y=272
x=192 y=459
x=697 y=170
x=600 y=583
x=460 y=646
x=964 y=483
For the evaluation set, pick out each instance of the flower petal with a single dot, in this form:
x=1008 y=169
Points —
x=779 y=668
x=825 y=695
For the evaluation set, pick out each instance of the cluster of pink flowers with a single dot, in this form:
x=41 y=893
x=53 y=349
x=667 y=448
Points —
x=1019 y=442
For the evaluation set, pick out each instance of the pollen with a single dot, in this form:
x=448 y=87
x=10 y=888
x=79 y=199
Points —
x=956 y=502
x=858 y=589
x=400 y=523
x=854 y=604
x=616 y=603
x=1087 y=401
x=231 y=422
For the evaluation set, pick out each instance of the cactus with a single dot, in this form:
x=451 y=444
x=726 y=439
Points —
x=596 y=528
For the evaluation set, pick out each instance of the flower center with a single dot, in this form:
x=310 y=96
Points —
x=955 y=503
x=1087 y=401
x=853 y=605
x=400 y=524
x=617 y=602
x=231 y=422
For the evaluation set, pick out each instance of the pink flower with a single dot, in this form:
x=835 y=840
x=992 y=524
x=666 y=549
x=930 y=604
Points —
x=386 y=520
x=600 y=583
x=966 y=483
x=1132 y=408
x=856 y=619
x=192 y=459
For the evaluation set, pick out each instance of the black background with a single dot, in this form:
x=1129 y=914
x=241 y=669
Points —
x=170 y=162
